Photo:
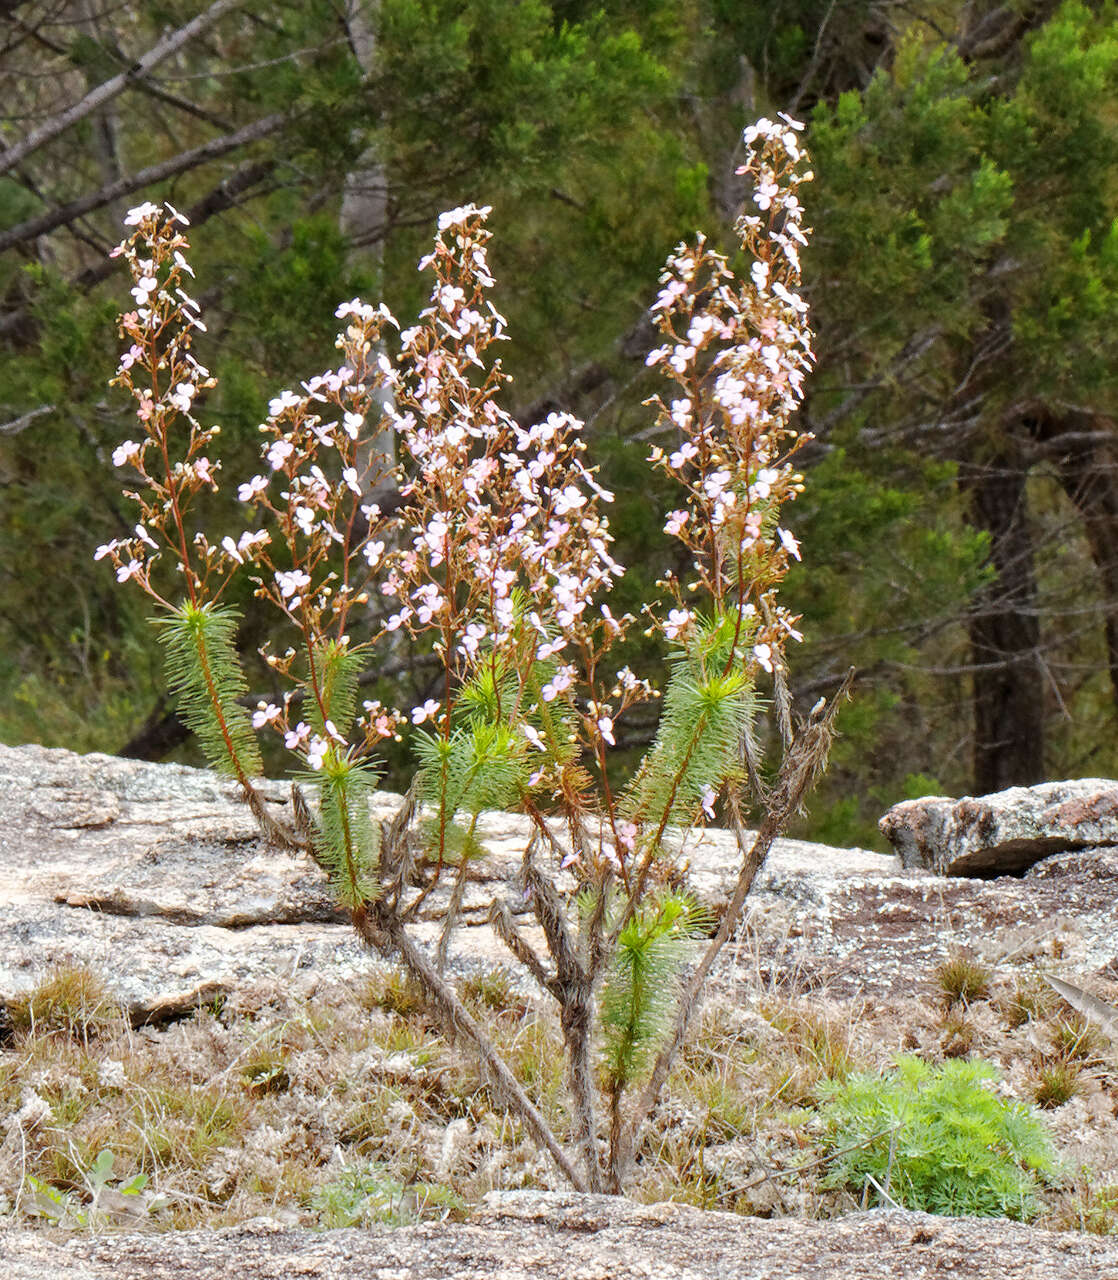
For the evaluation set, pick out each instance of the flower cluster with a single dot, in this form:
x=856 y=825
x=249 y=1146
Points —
x=163 y=378
x=738 y=354
x=509 y=549
x=498 y=550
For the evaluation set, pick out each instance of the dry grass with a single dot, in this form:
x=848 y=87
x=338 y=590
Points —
x=963 y=979
x=354 y=1109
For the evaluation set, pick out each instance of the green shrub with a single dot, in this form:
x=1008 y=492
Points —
x=366 y=1194
x=936 y=1138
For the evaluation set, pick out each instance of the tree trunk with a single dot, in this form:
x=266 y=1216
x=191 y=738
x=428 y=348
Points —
x=1083 y=449
x=1005 y=634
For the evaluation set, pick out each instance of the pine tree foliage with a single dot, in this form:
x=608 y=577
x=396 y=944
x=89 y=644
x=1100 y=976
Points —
x=481 y=765
x=489 y=694
x=346 y=840
x=337 y=669
x=205 y=678
x=639 y=996
x=709 y=705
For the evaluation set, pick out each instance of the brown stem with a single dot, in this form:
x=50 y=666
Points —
x=381 y=928
x=454 y=906
x=802 y=765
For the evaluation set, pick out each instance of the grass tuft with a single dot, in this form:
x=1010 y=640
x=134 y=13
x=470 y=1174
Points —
x=71 y=1001
x=963 y=979
x=1056 y=1083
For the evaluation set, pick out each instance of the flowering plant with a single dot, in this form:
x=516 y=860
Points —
x=395 y=496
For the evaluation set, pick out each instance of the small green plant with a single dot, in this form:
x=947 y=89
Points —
x=936 y=1138
x=1057 y=1082
x=123 y=1202
x=963 y=979
x=366 y=1194
x=266 y=1073
x=1097 y=1209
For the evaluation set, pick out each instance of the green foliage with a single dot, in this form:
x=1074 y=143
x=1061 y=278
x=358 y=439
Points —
x=365 y=1194
x=937 y=1138
x=346 y=840
x=65 y=1209
x=640 y=991
x=708 y=706
x=206 y=679
x=481 y=765
x=338 y=670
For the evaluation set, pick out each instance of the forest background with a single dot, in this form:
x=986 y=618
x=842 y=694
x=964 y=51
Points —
x=960 y=523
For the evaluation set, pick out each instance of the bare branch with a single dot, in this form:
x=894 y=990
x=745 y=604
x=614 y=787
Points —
x=380 y=927
x=145 y=177
x=111 y=88
x=225 y=195
x=16 y=425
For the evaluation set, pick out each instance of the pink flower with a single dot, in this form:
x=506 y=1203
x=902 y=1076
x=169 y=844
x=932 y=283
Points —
x=292 y=581
x=676 y=521
x=426 y=712
x=279 y=452
x=135 y=216
x=708 y=798
x=281 y=403
x=678 y=620
x=559 y=683
x=683 y=455
x=789 y=543
x=126 y=452
x=627 y=836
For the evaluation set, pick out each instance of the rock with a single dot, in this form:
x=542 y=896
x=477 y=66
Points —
x=155 y=875
x=172 y=897
x=563 y=1236
x=1006 y=833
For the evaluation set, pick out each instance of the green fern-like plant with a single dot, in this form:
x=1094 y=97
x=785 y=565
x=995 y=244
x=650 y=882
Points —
x=346 y=839
x=697 y=745
x=205 y=677
x=480 y=766
x=937 y=1138
x=337 y=670
x=489 y=694
x=709 y=704
x=641 y=989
